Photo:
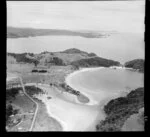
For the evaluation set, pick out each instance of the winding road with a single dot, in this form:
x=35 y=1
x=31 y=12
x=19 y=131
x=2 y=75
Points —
x=37 y=107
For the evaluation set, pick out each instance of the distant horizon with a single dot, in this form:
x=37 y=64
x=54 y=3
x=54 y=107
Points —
x=122 y=16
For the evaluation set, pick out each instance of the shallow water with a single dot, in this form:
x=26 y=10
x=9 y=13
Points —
x=105 y=82
x=72 y=116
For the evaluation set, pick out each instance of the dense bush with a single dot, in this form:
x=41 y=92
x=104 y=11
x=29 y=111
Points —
x=95 y=61
x=32 y=90
x=10 y=111
x=57 y=61
x=69 y=89
x=118 y=110
x=11 y=93
x=136 y=64
x=22 y=58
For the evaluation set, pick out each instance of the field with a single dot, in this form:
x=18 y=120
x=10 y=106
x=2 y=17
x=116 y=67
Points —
x=19 y=68
x=24 y=124
x=22 y=111
x=24 y=103
x=55 y=73
x=135 y=122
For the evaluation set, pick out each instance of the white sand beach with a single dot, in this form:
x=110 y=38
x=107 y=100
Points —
x=72 y=116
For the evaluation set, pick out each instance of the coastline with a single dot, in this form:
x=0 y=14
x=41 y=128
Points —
x=58 y=109
x=67 y=81
x=91 y=100
x=44 y=100
x=104 y=100
x=66 y=124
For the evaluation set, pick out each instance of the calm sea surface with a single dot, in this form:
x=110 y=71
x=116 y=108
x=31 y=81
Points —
x=106 y=82
x=108 y=79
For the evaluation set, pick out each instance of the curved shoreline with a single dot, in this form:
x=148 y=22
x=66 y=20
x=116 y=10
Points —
x=61 y=122
x=69 y=76
x=104 y=99
x=67 y=81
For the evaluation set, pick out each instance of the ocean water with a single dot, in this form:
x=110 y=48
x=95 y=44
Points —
x=109 y=79
x=121 y=47
x=101 y=83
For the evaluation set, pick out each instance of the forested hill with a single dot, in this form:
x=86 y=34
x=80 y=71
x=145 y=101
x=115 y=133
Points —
x=120 y=109
x=135 y=64
x=95 y=62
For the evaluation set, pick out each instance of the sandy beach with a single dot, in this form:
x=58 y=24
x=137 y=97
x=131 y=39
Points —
x=72 y=116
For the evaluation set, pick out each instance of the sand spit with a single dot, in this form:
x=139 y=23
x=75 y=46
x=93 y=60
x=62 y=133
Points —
x=94 y=97
x=83 y=91
x=72 y=116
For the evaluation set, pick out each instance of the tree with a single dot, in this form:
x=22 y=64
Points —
x=9 y=112
x=35 y=63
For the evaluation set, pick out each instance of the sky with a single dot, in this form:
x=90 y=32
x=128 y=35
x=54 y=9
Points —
x=121 y=16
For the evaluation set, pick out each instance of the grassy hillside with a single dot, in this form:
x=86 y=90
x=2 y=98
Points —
x=120 y=109
x=136 y=64
x=23 y=57
x=71 y=56
x=13 y=32
x=11 y=60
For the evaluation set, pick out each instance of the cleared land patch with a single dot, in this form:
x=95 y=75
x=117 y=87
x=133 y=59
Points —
x=20 y=111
